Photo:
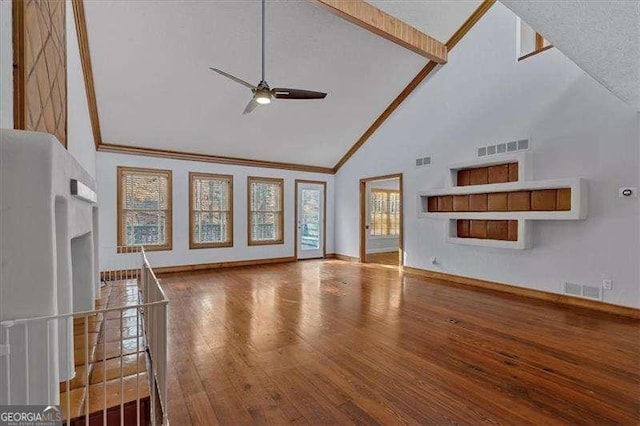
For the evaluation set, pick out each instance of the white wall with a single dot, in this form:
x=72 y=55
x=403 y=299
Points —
x=483 y=95
x=181 y=254
x=381 y=243
x=80 y=142
x=6 y=66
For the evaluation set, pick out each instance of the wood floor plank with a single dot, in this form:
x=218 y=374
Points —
x=332 y=342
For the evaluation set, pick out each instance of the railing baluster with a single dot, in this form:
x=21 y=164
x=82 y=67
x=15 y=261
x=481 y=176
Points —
x=137 y=368
x=86 y=367
x=121 y=369
x=8 y=363
x=68 y=382
x=26 y=357
x=104 y=371
x=48 y=340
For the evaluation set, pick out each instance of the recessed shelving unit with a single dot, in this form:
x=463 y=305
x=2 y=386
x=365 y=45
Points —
x=499 y=214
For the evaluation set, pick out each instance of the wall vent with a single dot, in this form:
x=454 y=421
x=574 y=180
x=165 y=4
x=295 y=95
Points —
x=586 y=291
x=592 y=292
x=501 y=148
x=423 y=161
x=573 y=289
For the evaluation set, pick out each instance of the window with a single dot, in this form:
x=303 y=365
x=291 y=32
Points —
x=530 y=42
x=266 y=220
x=144 y=208
x=211 y=210
x=384 y=212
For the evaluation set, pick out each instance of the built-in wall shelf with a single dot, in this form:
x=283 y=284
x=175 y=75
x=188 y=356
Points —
x=491 y=202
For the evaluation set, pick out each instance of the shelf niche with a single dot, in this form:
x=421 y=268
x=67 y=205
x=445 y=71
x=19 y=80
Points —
x=496 y=211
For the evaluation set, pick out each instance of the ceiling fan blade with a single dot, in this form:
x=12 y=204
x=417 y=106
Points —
x=282 y=93
x=251 y=106
x=234 y=78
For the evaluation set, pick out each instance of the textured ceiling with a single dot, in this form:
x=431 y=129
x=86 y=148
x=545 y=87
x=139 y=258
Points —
x=154 y=89
x=601 y=37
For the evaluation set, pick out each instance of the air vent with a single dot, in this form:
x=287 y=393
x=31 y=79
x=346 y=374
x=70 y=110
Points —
x=573 y=289
x=591 y=292
x=423 y=161
x=586 y=291
x=501 y=148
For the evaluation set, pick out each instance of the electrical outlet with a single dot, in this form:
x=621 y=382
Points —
x=607 y=284
x=434 y=260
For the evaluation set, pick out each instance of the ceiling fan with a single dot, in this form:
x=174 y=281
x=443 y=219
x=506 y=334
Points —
x=262 y=93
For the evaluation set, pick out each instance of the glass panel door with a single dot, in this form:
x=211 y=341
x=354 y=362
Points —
x=310 y=220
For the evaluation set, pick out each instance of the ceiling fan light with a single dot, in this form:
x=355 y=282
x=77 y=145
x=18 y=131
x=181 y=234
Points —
x=263 y=98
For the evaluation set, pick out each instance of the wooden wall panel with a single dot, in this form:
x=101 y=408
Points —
x=515 y=201
x=499 y=173
x=504 y=230
x=497 y=202
x=40 y=62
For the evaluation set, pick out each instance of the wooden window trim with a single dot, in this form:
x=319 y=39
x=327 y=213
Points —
x=388 y=192
x=539 y=47
x=256 y=179
x=535 y=52
x=121 y=171
x=192 y=213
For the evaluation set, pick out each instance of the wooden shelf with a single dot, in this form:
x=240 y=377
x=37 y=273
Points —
x=578 y=210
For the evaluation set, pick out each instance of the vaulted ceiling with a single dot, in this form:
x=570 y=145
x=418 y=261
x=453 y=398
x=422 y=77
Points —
x=154 y=88
x=601 y=36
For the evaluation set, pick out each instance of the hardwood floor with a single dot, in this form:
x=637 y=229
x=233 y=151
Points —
x=389 y=258
x=328 y=342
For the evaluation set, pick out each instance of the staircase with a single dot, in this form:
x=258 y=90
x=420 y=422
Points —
x=118 y=388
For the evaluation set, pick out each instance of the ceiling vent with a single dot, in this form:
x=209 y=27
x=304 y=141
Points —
x=501 y=148
x=423 y=161
x=586 y=291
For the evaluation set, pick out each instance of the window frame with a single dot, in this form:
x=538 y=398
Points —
x=389 y=226
x=192 y=243
x=121 y=239
x=269 y=180
x=540 y=43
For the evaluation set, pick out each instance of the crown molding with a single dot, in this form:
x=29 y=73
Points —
x=205 y=158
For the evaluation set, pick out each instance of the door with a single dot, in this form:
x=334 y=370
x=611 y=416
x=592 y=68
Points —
x=366 y=225
x=310 y=223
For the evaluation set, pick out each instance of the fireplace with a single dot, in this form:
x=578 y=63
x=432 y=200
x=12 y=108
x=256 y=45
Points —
x=48 y=255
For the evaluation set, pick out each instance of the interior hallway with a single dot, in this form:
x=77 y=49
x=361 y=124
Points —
x=335 y=342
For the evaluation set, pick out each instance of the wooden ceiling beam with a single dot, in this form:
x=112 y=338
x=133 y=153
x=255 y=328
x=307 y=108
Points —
x=371 y=18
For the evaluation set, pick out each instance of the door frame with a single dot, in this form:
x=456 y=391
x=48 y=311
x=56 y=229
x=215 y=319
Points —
x=363 y=213
x=324 y=216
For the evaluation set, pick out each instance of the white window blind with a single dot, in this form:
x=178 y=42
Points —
x=265 y=211
x=144 y=216
x=384 y=212
x=211 y=201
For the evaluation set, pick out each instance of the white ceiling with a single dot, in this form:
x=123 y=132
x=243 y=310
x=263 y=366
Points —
x=154 y=89
x=601 y=37
x=438 y=18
